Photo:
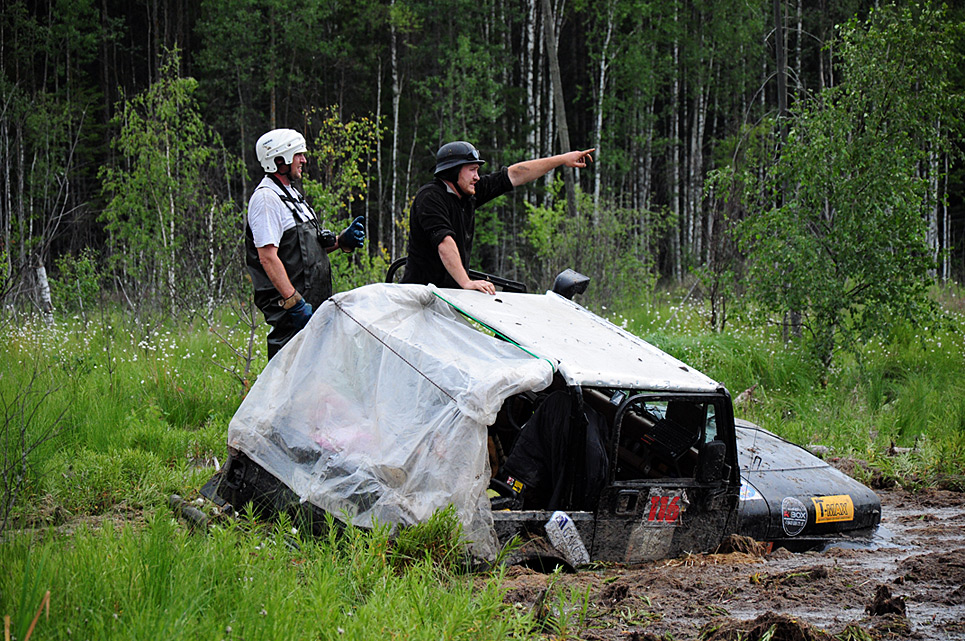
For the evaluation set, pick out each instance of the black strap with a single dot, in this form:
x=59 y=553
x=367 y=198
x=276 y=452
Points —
x=294 y=204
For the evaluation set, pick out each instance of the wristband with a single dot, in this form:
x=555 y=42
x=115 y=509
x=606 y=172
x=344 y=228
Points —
x=291 y=301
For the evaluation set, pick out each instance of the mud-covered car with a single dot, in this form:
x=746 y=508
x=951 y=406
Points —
x=398 y=400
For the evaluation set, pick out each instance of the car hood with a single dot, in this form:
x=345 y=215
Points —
x=788 y=493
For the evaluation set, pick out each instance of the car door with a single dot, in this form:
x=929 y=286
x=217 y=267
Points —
x=672 y=485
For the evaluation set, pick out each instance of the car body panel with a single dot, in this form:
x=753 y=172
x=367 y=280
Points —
x=586 y=349
x=793 y=498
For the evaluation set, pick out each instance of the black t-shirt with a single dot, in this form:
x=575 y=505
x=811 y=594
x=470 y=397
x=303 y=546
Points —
x=437 y=213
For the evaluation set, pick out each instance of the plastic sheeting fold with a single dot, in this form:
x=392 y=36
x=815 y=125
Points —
x=377 y=410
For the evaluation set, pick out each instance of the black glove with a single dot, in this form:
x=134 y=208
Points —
x=353 y=236
x=326 y=238
x=300 y=313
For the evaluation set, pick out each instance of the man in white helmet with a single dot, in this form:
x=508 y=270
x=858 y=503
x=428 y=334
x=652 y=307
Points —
x=442 y=219
x=285 y=248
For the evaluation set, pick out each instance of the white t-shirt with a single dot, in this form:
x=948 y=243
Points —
x=269 y=217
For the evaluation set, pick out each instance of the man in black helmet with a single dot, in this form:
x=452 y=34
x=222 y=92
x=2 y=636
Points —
x=443 y=216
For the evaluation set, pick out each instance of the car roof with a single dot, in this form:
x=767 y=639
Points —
x=584 y=348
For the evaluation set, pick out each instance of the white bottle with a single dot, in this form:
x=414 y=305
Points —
x=564 y=536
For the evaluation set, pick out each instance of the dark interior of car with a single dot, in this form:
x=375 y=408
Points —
x=641 y=435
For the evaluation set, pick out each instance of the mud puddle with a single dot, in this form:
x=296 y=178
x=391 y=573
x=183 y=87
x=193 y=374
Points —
x=908 y=584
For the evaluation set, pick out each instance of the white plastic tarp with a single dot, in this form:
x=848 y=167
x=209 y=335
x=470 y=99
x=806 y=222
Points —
x=377 y=410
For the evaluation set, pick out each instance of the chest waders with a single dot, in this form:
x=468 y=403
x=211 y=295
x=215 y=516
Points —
x=306 y=264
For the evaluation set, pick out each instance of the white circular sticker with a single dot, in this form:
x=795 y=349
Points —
x=794 y=516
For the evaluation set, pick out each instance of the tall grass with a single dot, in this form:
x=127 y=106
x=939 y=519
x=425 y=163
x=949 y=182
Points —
x=145 y=415
x=143 y=410
x=262 y=582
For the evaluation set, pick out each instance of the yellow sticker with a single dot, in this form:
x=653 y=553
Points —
x=828 y=509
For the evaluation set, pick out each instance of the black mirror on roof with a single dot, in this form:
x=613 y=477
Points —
x=570 y=283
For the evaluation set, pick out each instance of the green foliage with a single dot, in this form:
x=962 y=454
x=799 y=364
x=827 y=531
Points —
x=610 y=246
x=173 y=234
x=893 y=403
x=564 y=611
x=439 y=542
x=30 y=420
x=245 y=580
x=342 y=150
x=137 y=413
x=361 y=267
x=48 y=130
x=146 y=406
x=78 y=282
x=845 y=244
x=94 y=483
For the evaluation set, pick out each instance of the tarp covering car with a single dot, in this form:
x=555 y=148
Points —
x=377 y=411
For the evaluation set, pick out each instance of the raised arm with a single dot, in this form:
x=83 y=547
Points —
x=529 y=170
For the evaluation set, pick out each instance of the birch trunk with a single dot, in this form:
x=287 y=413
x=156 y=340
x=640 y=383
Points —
x=6 y=214
x=42 y=292
x=210 y=289
x=934 y=199
x=529 y=65
x=781 y=68
x=20 y=205
x=557 y=82
x=601 y=84
x=644 y=178
x=798 y=89
x=696 y=164
x=396 y=96
x=946 y=230
x=167 y=229
x=710 y=218
x=379 y=201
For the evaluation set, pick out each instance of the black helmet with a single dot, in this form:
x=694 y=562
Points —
x=456 y=154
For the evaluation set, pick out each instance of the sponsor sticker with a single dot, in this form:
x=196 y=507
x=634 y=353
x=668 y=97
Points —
x=794 y=516
x=515 y=484
x=749 y=492
x=829 y=509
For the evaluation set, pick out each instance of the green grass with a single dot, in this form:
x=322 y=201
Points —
x=251 y=582
x=134 y=414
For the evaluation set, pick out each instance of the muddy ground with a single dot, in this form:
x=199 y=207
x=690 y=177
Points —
x=909 y=585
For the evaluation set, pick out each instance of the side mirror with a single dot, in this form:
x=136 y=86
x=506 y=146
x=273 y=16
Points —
x=570 y=283
x=710 y=463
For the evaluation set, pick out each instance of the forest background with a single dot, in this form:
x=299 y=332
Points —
x=802 y=152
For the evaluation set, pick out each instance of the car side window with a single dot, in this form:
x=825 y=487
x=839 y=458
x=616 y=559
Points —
x=710 y=425
x=659 y=437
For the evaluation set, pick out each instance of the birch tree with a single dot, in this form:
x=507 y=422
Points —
x=848 y=245
x=172 y=232
x=45 y=101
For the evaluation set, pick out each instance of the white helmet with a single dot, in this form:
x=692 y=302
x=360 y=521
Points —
x=279 y=143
